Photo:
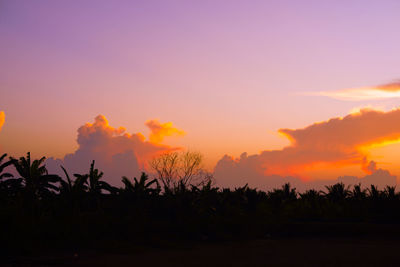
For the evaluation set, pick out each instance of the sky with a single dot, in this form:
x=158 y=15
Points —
x=300 y=86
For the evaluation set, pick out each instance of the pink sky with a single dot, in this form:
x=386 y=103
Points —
x=230 y=74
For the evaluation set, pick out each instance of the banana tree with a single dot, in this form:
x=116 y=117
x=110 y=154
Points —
x=92 y=182
x=337 y=192
x=70 y=187
x=35 y=180
x=142 y=187
x=358 y=193
x=72 y=191
x=3 y=166
x=7 y=186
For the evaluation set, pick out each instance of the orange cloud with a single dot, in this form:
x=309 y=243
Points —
x=161 y=130
x=369 y=167
x=2 y=119
x=390 y=90
x=339 y=139
x=116 y=152
x=333 y=143
x=390 y=87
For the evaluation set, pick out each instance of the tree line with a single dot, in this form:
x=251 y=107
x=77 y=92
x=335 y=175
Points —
x=181 y=202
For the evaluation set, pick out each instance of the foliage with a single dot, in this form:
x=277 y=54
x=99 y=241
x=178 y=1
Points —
x=35 y=180
x=91 y=183
x=42 y=207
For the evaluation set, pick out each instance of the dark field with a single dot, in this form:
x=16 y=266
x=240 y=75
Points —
x=47 y=220
x=266 y=252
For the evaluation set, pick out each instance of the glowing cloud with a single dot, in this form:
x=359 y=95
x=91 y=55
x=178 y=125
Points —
x=2 y=119
x=161 y=130
x=115 y=151
x=333 y=143
x=233 y=173
x=340 y=141
x=391 y=90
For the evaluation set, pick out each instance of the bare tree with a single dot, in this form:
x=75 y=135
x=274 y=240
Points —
x=180 y=169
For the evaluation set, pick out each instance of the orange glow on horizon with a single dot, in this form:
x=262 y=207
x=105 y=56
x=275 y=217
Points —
x=300 y=170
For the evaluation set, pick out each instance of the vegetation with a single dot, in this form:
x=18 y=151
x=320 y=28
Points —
x=180 y=203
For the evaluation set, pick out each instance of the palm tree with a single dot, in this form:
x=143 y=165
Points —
x=93 y=183
x=3 y=166
x=310 y=205
x=358 y=193
x=65 y=186
x=9 y=186
x=141 y=187
x=374 y=194
x=390 y=192
x=289 y=192
x=286 y=193
x=35 y=179
x=72 y=192
x=311 y=195
x=337 y=192
x=70 y=187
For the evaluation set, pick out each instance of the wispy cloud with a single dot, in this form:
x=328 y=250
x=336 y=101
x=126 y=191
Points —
x=385 y=91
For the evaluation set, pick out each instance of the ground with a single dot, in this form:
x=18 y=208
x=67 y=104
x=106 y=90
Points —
x=265 y=252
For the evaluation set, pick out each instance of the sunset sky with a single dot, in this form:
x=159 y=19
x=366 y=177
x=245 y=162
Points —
x=309 y=89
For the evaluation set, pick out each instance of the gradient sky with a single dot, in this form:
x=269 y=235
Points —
x=228 y=73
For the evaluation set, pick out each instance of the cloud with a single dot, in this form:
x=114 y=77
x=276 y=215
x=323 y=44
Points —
x=2 y=119
x=230 y=172
x=116 y=152
x=369 y=167
x=337 y=142
x=161 y=130
x=234 y=173
x=385 y=91
x=390 y=87
x=378 y=177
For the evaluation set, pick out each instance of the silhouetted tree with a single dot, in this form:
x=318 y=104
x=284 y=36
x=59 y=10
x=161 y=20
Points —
x=390 y=192
x=6 y=186
x=286 y=193
x=88 y=208
x=374 y=194
x=176 y=171
x=337 y=192
x=311 y=195
x=73 y=192
x=142 y=187
x=92 y=181
x=4 y=165
x=70 y=187
x=36 y=181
